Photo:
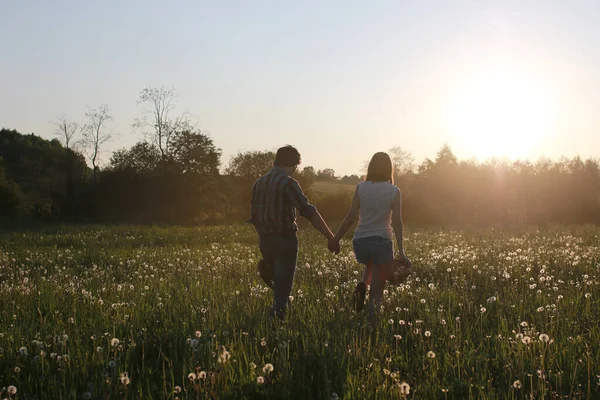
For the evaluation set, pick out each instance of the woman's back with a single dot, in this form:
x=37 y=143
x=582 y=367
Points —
x=375 y=216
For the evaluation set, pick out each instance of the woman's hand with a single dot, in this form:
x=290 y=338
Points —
x=405 y=261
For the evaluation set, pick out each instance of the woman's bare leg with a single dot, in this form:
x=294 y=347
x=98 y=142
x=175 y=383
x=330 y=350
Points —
x=368 y=273
x=379 y=275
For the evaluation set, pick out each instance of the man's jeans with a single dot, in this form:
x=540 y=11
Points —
x=280 y=250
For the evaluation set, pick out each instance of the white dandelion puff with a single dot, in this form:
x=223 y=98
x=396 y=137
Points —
x=268 y=368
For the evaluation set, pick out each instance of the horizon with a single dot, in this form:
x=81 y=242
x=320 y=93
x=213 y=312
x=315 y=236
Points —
x=341 y=78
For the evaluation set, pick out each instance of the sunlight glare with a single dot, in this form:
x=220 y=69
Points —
x=500 y=114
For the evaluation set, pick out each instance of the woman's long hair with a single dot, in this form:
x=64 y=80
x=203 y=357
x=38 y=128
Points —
x=380 y=168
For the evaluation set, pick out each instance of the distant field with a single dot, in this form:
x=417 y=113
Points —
x=324 y=188
x=166 y=313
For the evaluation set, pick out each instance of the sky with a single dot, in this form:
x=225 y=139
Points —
x=339 y=79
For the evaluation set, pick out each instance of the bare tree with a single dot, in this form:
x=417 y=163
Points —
x=402 y=160
x=159 y=124
x=95 y=134
x=66 y=129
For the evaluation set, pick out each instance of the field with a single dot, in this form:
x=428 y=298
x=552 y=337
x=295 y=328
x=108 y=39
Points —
x=329 y=188
x=164 y=313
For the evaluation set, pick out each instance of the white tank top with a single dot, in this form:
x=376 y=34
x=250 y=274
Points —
x=375 y=212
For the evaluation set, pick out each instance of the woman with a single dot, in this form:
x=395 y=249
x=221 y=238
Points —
x=378 y=203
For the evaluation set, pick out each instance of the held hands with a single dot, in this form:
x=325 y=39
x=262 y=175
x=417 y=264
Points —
x=333 y=245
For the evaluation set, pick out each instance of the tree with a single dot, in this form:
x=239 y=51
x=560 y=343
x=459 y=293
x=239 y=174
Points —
x=309 y=172
x=195 y=152
x=11 y=197
x=159 y=124
x=66 y=129
x=308 y=175
x=141 y=158
x=326 y=174
x=445 y=157
x=95 y=134
x=402 y=160
x=251 y=164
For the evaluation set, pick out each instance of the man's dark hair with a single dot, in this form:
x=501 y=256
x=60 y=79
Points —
x=287 y=156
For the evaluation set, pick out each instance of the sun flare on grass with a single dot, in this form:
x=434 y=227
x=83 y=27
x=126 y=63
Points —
x=500 y=114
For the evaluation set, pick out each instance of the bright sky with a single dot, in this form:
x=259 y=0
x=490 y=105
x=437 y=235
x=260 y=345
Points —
x=339 y=79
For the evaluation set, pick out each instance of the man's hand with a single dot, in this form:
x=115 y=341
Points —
x=333 y=245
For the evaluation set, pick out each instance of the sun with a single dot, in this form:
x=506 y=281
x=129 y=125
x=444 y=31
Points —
x=499 y=114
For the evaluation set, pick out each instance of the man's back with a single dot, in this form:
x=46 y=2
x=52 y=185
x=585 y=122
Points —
x=275 y=198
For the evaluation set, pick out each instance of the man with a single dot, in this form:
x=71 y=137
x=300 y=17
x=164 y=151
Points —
x=275 y=198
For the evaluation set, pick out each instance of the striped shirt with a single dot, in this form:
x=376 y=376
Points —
x=275 y=198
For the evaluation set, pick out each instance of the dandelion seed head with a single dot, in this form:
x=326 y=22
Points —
x=268 y=368
x=404 y=388
x=517 y=384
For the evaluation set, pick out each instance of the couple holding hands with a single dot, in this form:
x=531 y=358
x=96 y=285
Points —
x=377 y=203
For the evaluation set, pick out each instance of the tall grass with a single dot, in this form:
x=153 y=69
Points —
x=165 y=313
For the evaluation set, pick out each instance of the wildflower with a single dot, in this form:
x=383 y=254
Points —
x=263 y=343
x=225 y=355
x=544 y=338
x=430 y=354
x=114 y=342
x=491 y=299
x=202 y=375
x=517 y=384
x=588 y=295
x=192 y=376
x=268 y=368
x=260 y=380
x=23 y=351
x=401 y=322
x=540 y=309
x=404 y=388
x=526 y=340
x=124 y=378
x=177 y=389
x=198 y=334
x=17 y=370
x=12 y=390
x=391 y=321
x=386 y=371
x=483 y=309
x=99 y=349
x=427 y=333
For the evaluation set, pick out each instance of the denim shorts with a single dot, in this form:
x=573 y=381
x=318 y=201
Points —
x=373 y=249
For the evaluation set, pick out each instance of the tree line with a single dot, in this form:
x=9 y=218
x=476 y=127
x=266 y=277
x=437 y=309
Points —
x=174 y=176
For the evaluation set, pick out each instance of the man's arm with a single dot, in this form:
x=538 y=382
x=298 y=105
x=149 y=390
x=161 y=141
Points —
x=317 y=221
x=306 y=209
x=350 y=217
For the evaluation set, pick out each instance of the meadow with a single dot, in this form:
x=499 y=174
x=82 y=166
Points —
x=128 y=312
